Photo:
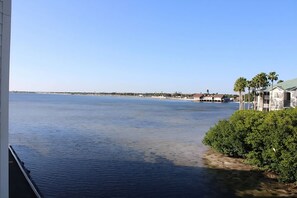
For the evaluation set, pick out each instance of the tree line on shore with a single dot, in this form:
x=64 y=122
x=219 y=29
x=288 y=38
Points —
x=258 y=82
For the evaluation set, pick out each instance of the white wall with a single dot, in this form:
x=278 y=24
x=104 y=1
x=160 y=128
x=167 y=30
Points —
x=294 y=98
x=277 y=99
x=260 y=102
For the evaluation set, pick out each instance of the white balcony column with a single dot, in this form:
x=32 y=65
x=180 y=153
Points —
x=5 y=21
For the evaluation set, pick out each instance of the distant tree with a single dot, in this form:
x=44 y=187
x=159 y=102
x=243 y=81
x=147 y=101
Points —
x=280 y=81
x=239 y=86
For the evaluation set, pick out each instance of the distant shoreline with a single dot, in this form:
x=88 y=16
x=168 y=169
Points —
x=186 y=97
x=161 y=96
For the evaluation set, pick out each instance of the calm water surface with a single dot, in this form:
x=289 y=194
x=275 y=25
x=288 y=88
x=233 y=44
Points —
x=91 y=146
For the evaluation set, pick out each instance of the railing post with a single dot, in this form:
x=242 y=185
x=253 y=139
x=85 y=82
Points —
x=5 y=20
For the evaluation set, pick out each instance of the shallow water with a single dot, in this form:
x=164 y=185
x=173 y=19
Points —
x=98 y=146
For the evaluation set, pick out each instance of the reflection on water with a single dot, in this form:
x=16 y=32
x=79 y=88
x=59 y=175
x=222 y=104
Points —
x=86 y=146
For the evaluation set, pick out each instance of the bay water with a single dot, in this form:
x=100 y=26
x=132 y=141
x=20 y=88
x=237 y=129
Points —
x=103 y=146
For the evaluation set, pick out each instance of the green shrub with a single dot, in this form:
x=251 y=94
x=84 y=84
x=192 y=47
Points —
x=221 y=138
x=228 y=136
x=268 y=140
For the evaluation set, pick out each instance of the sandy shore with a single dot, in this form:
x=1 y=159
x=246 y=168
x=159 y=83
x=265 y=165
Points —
x=246 y=180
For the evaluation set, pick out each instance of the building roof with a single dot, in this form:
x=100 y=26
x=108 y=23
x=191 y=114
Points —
x=286 y=85
x=198 y=95
x=219 y=95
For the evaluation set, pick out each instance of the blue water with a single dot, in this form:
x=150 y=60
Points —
x=99 y=146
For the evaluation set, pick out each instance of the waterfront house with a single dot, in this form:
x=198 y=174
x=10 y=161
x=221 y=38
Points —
x=280 y=96
x=220 y=98
x=198 y=97
x=210 y=98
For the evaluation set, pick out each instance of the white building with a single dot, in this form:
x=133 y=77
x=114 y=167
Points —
x=5 y=18
x=280 y=96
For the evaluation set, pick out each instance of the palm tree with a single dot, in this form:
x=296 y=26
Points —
x=259 y=82
x=262 y=80
x=272 y=76
x=249 y=85
x=239 y=86
x=280 y=81
x=254 y=86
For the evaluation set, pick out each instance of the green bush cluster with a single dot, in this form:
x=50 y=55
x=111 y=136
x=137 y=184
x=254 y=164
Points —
x=265 y=139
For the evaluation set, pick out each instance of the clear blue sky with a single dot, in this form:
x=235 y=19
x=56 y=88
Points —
x=150 y=45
